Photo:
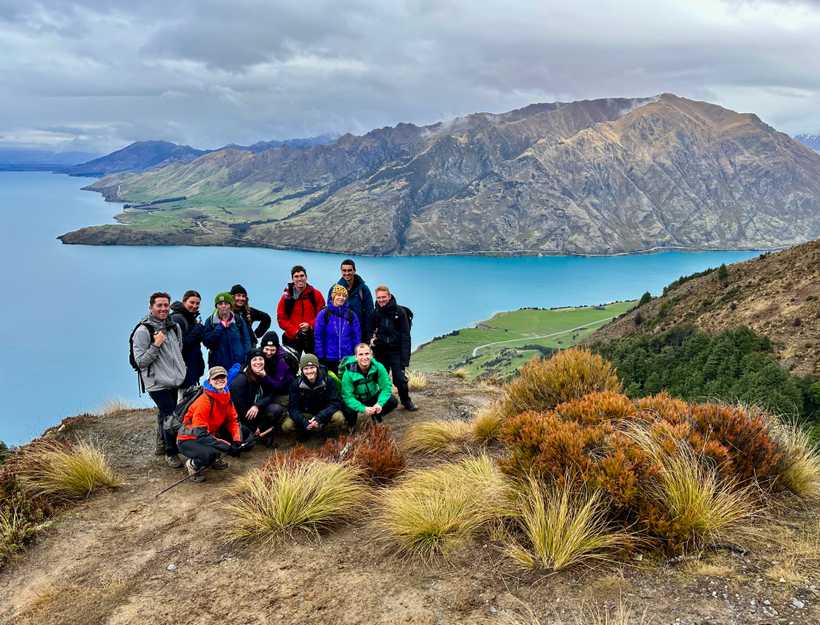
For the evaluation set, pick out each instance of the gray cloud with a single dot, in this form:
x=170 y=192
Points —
x=101 y=73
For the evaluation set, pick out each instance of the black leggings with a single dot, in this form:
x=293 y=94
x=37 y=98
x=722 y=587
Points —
x=392 y=362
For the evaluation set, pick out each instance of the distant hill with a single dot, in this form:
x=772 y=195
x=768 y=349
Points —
x=590 y=177
x=138 y=156
x=261 y=146
x=18 y=159
x=810 y=141
x=775 y=295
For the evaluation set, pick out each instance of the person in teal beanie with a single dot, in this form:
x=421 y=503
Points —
x=226 y=335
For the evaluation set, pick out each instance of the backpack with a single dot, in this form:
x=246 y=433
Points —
x=174 y=420
x=409 y=314
x=291 y=358
x=133 y=361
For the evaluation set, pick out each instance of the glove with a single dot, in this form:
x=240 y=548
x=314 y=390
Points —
x=234 y=450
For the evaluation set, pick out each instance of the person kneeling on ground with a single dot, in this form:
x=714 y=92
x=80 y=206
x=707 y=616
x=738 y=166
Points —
x=366 y=387
x=254 y=400
x=209 y=418
x=314 y=400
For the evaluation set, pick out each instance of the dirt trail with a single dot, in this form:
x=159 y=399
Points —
x=108 y=561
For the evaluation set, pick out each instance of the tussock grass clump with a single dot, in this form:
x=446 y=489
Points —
x=416 y=380
x=449 y=436
x=295 y=496
x=801 y=459
x=701 y=507
x=568 y=375
x=622 y=614
x=433 y=512
x=113 y=406
x=487 y=425
x=16 y=529
x=63 y=471
x=562 y=526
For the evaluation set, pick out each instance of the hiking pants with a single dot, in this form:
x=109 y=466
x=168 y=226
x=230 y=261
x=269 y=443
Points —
x=392 y=362
x=202 y=454
x=268 y=417
x=337 y=420
x=166 y=401
x=351 y=416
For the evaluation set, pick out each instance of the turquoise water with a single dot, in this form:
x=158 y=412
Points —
x=70 y=308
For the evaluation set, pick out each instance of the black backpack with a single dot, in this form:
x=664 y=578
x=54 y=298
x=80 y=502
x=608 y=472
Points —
x=174 y=420
x=409 y=314
x=133 y=360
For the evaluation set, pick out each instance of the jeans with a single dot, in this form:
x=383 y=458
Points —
x=166 y=401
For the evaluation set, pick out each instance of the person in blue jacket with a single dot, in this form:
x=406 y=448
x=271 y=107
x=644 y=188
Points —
x=337 y=330
x=226 y=335
x=359 y=297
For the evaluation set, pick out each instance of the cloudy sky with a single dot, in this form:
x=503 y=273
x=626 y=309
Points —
x=97 y=74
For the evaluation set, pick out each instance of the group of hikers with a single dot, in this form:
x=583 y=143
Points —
x=331 y=370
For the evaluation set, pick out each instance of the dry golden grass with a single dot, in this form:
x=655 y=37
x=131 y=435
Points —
x=461 y=372
x=562 y=526
x=568 y=375
x=305 y=496
x=58 y=471
x=621 y=614
x=74 y=604
x=487 y=425
x=701 y=506
x=416 y=380
x=801 y=474
x=16 y=529
x=702 y=568
x=433 y=512
x=449 y=436
x=799 y=555
x=113 y=406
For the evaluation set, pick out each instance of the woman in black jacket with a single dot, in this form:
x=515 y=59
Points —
x=254 y=400
x=186 y=315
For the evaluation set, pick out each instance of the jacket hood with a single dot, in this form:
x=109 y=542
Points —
x=178 y=308
x=220 y=397
x=165 y=324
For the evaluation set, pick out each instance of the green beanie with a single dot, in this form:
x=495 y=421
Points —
x=223 y=297
x=308 y=359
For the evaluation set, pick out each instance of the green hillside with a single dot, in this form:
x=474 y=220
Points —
x=499 y=346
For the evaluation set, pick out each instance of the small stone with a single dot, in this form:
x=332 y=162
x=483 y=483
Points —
x=172 y=567
x=798 y=604
x=767 y=602
x=493 y=610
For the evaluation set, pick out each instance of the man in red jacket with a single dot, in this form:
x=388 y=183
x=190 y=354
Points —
x=297 y=310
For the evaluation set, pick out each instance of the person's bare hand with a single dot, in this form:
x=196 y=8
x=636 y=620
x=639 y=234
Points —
x=370 y=411
x=304 y=326
x=252 y=412
x=312 y=424
x=159 y=338
x=377 y=409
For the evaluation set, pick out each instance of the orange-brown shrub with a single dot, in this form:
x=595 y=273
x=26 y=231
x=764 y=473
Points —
x=373 y=449
x=376 y=452
x=597 y=407
x=568 y=375
x=546 y=446
x=751 y=452
x=663 y=406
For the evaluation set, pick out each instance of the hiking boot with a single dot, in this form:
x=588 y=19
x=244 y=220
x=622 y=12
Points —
x=192 y=471
x=410 y=406
x=173 y=461
x=220 y=465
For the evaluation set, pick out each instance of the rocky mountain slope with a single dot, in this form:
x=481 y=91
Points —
x=602 y=176
x=137 y=156
x=776 y=295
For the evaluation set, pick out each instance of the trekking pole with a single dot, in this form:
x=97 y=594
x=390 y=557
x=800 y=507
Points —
x=178 y=482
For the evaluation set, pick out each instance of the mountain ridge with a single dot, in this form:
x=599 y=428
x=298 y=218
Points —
x=606 y=176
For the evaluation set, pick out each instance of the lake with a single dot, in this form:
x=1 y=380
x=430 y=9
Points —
x=65 y=346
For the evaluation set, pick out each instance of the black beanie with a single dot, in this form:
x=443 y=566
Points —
x=238 y=288
x=254 y=353
x=270 y=338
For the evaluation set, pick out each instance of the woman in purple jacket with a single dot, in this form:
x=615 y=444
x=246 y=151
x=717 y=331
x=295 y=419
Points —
x=337 y=330
x=278 y=374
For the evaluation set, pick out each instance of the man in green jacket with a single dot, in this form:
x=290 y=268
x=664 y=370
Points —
x=366 y=387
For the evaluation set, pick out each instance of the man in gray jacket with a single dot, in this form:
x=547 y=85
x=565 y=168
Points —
x=157 y=351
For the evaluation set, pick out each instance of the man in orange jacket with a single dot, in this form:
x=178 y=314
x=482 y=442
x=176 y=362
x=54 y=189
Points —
x=297 y=310
x=210 y=417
